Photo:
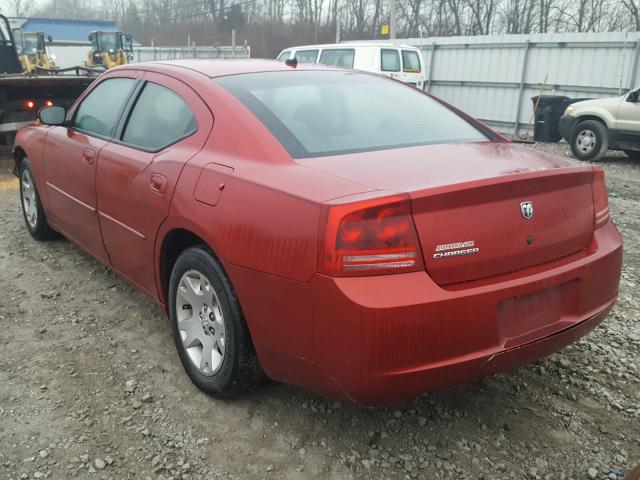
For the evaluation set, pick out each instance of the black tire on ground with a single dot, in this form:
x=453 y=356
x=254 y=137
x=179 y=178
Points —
x=633 y=154
x=589 y=140
x=239 y=369
x=34 y=216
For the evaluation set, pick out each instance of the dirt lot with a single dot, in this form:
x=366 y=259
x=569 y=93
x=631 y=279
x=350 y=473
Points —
x=91 y=387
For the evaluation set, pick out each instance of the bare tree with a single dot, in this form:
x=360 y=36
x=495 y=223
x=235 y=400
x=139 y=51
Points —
x=633 y=8
x=482 y=12
x=20 y=8
x=272 y=25
x=80 y=9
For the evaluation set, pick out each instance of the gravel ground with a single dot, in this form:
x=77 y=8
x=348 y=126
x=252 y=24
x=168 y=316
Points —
x=91 y=387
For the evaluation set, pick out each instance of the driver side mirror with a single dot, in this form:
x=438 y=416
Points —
x=55 y=115
x=633 y=96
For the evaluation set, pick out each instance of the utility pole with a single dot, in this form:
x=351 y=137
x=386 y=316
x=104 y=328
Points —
x=338 y=26
x=393 y=22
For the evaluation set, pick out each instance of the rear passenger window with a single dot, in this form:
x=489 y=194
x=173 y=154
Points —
x=410 y=61
x=159 y=118
x=99 y=111
x=342 y=57
x=306 y=56
x=389 y=60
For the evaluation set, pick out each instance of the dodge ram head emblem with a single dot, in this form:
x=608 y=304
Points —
x=526 y=208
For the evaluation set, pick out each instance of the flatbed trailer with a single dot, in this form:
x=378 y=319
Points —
x=22 y=95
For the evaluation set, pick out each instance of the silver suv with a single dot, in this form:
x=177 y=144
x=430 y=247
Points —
x=594 y=126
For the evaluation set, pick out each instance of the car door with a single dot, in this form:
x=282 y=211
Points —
x=165 y=125
x=390 y=62
x=411 y=68
x=70 y=158
x=628 y=118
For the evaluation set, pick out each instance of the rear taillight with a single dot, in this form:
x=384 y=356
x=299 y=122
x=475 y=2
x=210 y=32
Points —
x=600 y=198
x=370 y=237
x=29 y=104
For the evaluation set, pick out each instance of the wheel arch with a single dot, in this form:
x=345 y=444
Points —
x=174 y=242
x=19 y=155
x=584 y=118
x=591 y=116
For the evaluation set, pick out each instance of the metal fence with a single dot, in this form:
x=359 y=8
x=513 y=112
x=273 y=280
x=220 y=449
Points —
x=69 y=54
x=494 y=77
x=146 y=54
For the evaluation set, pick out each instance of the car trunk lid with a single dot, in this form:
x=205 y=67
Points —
x=470 y=203
x=503 y=225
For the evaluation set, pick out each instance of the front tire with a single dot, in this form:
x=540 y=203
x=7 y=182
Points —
x=589 y=140
x=208 y=327
x=34 y=216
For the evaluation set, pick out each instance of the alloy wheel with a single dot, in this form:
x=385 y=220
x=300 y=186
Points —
x=29 y=200
x=200 y=322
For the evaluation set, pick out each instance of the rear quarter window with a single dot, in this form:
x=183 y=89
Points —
x=389 y=60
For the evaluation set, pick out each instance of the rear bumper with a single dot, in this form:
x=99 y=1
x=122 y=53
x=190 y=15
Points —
x=566 y=126
x=384 y=339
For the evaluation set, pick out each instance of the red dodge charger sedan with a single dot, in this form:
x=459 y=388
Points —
x=328 y=228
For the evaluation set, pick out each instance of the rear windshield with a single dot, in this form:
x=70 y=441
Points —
x=342 y=57
x=320 y=113
x=284 y=55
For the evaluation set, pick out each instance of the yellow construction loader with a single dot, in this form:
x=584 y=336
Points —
x=31 y=51
x=109 y=49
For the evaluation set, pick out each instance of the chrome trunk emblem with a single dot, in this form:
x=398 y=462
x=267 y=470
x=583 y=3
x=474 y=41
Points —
x=526 y=208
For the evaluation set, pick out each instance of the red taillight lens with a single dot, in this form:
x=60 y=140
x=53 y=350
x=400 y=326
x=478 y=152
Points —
x=29 y=104
x=48 y=103
x=600 y=198
x=371 y=237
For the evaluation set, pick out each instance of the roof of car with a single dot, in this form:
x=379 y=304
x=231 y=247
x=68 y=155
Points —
x=351 y=44
x=221 y=67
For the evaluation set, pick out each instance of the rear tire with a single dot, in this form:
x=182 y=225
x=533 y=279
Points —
x=633 y=154
x=208 y=327
x=34 y=216
x=589 y=140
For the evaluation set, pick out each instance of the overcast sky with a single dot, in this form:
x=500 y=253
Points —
x=8 y=7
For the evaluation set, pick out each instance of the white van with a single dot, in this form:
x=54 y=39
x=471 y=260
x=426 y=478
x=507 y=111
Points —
x=401 y=62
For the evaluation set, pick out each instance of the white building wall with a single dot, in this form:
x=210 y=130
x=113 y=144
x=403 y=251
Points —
x=68 y=55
